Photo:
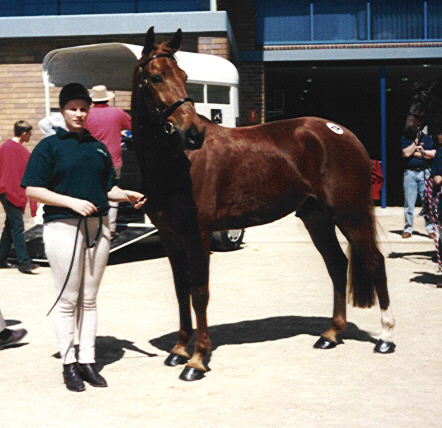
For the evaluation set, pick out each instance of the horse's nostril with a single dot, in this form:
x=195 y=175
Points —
x=194 y=139
x=192 y=134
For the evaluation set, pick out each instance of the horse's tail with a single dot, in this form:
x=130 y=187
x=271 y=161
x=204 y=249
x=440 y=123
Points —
x=366 y=264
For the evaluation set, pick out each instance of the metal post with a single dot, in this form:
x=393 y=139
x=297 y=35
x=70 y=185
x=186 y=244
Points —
x=312 y=23
x=383 y=138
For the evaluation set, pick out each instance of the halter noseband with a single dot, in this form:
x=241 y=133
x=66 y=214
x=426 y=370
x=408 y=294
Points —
x=161 y=116
x=416 y=116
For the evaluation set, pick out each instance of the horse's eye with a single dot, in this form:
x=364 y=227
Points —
x=156 y=78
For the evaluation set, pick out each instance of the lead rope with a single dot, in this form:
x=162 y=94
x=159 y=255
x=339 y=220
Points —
x=432 y=203
x=88 y=245
x=432 y=209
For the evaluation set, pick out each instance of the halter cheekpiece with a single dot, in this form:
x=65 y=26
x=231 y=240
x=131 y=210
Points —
x=160 y=115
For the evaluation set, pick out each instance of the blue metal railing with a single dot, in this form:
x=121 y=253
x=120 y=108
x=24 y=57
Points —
x=344 y=21
x=73 y=7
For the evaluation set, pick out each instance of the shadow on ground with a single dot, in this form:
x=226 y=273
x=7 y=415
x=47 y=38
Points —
x=417 y=255
x=428 y=278
x=415 y=233
x=137 y=252
x=109 y=349
x=264 y=330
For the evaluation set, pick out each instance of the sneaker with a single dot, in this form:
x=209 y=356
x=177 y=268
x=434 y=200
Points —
x=432 y=235
x=14 y=337
x=406 y=235
x=28 y=267
x=4 y=264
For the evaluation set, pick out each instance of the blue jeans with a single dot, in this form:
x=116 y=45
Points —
x=13 y=232
x=414 y=182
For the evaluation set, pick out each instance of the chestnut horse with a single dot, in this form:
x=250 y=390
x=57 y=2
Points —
x=426 y=109
x=242 y=177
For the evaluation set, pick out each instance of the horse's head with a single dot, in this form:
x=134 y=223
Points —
x=160 y=96
x=425 y=110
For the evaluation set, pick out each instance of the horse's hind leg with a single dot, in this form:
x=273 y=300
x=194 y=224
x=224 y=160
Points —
x=322 y=231
x=367 y=275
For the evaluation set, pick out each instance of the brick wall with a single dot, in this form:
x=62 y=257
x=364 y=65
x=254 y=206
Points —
x=22 y=98
x=251 y=93
x=218 y=46
x=251 y=75
x=242 y=18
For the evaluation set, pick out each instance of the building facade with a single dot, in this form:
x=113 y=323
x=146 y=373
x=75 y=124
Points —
x=353 y=62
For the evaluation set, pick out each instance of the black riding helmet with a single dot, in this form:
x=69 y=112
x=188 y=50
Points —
x=73 y=91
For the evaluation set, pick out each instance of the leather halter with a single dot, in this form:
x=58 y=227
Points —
x=161 y=116
x=420 y=118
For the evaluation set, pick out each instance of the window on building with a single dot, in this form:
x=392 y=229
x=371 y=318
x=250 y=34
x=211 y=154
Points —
x=339 y=20
x=434 y=20
x=78 y=7
x=172 y=5
x=291 y=22
x=284 y=21
x=397 y=19
x=217 y=94
x=196 y=92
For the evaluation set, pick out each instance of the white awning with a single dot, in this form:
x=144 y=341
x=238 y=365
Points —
x=112 y=64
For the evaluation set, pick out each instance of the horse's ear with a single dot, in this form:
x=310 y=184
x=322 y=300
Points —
x=149 y=41
x=176 y=41
x=433 y=86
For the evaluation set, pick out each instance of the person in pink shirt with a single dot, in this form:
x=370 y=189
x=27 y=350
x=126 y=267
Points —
x=105 y=123
x=13 y=160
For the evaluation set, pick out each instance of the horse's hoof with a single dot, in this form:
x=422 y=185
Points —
x=174 y=360
x=324 y=343
x=191 y=373
x=384 y=347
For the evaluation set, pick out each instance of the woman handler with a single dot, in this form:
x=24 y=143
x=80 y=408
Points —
x=72 y=174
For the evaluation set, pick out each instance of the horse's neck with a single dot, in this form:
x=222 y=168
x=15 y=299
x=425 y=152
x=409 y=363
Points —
x=163 y=171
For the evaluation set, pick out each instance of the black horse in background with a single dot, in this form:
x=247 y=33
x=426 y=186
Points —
x=426 y=110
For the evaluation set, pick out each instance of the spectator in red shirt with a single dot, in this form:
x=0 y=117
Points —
x=105 y=123
x=13 y=160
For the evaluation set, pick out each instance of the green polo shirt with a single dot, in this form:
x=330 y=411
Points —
x=80 y=168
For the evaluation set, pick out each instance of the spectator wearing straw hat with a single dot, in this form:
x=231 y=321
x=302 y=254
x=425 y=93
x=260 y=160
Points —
x=105 y=123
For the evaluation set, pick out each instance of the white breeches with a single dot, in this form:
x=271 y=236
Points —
x=77 y=305
x=2 y=322
x=114 y=207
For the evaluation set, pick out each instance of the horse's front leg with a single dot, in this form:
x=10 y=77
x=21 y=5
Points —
x=178 y=261
x=199 y=291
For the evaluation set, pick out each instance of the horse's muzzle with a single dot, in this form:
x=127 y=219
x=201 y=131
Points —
x=410 y=132
x=193 y=139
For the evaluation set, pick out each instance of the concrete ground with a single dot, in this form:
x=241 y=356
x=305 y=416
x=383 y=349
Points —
x=270 y=301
